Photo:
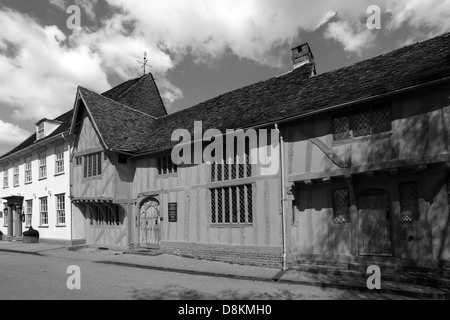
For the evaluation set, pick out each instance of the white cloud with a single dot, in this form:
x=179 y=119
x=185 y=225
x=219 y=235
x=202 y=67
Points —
x=352 y=38
x=40 y=80
x=330 y=15
x=11 y=134
x=433 y=14
x=41 y=66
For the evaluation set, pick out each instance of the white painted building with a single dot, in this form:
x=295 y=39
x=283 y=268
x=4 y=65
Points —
x=35 y=184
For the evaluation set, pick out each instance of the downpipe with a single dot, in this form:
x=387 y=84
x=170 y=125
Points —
x=283 y=197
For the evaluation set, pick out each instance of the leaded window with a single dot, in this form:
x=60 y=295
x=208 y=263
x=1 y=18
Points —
x=232 y=205
x=360 y=123
x=409 y=202
x=341 y=206
x=237 y=167
x=166 y=165
x=92 y=165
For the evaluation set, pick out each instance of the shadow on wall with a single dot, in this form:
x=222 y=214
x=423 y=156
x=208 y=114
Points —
x=419 y=132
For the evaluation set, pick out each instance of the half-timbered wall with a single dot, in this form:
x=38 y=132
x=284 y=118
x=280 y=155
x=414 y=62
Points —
x=415 y=150
x=111 y=188
x=190 y=189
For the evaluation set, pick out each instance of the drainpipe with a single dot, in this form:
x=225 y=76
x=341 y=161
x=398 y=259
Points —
x=70 y=149
x=283 y=196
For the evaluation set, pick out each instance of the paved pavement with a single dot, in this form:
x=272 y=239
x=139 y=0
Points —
x=420 y=286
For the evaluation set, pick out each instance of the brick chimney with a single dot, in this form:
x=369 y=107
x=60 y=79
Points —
x=302 y=55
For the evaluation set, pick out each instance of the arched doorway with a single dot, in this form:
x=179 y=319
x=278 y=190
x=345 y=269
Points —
x=374 y=216
x=150 y=224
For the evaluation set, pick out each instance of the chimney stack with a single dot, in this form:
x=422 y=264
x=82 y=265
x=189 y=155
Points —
x=302 y=55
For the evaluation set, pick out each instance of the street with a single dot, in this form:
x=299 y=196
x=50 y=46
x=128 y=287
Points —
x=24 y=277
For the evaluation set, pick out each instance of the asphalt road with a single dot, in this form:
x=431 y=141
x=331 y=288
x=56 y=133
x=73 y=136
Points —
x=26 y=277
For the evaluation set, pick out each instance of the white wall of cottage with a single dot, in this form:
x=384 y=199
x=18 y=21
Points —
x=53 y=185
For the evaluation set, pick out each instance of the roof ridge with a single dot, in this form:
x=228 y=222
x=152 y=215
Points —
x=121 y=104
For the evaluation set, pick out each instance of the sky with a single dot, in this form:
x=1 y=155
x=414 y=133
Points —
x=197 y=49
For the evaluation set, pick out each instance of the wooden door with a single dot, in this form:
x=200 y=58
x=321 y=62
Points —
x=374 y=223
x=150 y=225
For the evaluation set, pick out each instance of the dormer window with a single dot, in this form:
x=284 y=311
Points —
x=41 y=132
x=46 y=127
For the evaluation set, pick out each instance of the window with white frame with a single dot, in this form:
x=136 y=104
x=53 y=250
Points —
x=232 y=205
x=61 y=209
x=59 y=165
x=92 y=165
x=5 y=178
x=44 y=211
x=28 y=172
x=43 y=166
x=16 y=175
x=29 y=214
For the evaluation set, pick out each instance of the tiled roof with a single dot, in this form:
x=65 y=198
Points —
x=121 y=127
x=116 y=92
x=66 y=120
x=294 y=94
x=141 y=94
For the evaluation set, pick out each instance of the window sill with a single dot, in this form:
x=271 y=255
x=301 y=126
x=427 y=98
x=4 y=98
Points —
x=43 y=227
x=234 y=226
x=61 y=226
x=41 y=179
x=59 y=174
x=91 y=179
x=27 y=183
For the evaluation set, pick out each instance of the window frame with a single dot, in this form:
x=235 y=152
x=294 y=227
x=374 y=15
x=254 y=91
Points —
x=29 y=213
x=233 y=214
x=165 y=165
x=43 y=219
x=93 y=165
x=16 y=175
x=6 y=178
x=349 y=118
x=28 y=171
x=59 y=160
x=60 y=210
x=340 y=219
x=42 y=166
x=41 y=131
x=240 y=169
x=415 y=215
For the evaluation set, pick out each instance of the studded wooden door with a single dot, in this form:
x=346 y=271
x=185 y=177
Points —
x=374 y=223
x=150 y=224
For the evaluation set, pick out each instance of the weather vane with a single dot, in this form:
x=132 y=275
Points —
x=144 y=63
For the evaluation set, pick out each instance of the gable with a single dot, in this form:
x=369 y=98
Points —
x=87 y=137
